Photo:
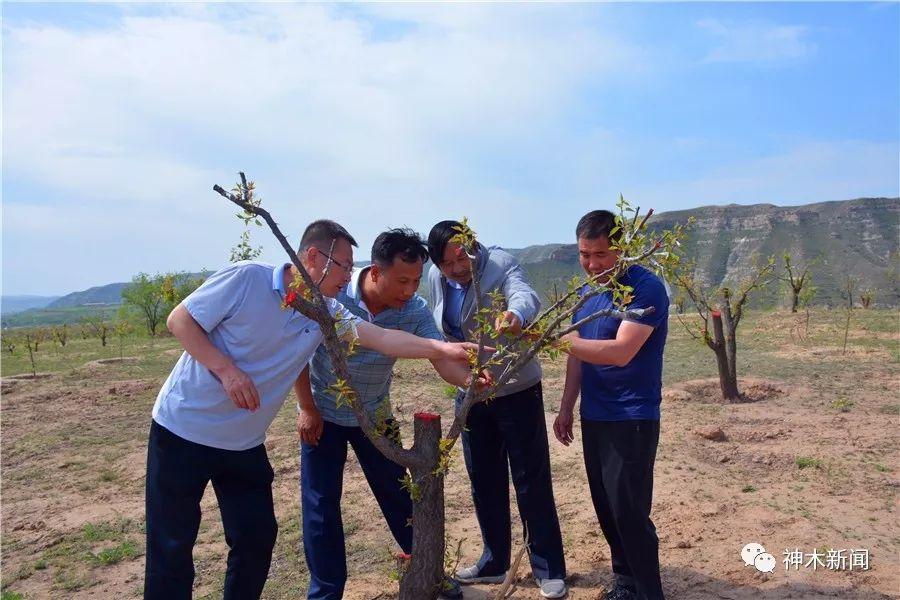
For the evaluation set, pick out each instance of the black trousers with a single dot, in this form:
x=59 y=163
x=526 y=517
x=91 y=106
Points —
x=503 y=435
x=177 y=474
x=619 y=457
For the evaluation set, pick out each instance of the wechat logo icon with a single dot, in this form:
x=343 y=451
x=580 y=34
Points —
x=754 y=555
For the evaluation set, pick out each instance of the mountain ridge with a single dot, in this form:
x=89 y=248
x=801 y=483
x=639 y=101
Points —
x=858 y=236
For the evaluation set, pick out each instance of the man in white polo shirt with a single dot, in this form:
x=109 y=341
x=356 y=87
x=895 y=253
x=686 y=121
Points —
x=243 y=352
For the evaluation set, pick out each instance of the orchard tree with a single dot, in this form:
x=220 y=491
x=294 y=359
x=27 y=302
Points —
x=61 y=334
x=178 y=286
x=153 y=297
x=10 y=341
x=35 y=337
x=428 y=459
x=145 y=294
x=867 y=297
x=797 y=279
x=32 y=337
x=721 y=310
x=97 y=327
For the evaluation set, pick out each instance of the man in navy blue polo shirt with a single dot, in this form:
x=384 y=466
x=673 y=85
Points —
x=616 y=366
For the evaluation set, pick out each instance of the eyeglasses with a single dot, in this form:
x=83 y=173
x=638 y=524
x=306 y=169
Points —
x=346 y=268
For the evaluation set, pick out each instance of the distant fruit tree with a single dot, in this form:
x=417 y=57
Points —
x=720 y=310
x=154 y=297
x=798 y=279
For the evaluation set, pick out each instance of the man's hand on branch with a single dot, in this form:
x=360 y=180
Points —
x=508 y=322
x=562 y=426
x=239 y=387
x=310 y=425
x=401 y=344
x=460 y=351
x=564 y=343
x=570 y=337
x=484 y=381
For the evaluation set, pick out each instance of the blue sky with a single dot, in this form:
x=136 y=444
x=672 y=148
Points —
x=118 y=119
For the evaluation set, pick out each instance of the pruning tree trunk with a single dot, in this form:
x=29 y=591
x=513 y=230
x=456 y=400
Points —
x=428 y=459
x=424 y=574
x=722 y=316
x=725 y=349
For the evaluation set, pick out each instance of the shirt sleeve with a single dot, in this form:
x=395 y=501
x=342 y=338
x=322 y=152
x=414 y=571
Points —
x=219 y=297
x=520 y=296
x=648 y=292
x=346 y=320
x=518 y=314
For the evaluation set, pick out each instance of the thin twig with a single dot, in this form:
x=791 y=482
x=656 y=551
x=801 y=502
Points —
x=327 y=263
x=510 y=582
x=622 y=315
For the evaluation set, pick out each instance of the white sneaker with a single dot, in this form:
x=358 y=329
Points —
x=552 y=588
x=470 y=575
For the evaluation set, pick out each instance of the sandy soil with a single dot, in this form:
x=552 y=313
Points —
x=794 y=466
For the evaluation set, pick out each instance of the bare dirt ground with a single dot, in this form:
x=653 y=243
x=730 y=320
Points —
x=809 y=461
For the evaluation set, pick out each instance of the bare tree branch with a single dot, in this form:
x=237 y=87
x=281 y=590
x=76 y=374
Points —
x=317 y=310
x=757 y=280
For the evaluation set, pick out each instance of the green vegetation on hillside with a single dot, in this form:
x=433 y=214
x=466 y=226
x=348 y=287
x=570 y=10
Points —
x=39 y=317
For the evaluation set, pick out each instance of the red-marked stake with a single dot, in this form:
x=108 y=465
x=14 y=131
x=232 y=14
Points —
x=427 y=416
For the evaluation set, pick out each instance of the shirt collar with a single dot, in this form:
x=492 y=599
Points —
x=278 y=278
x=354 y=288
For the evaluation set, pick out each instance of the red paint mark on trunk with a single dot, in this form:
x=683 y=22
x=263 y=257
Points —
x=427 y=416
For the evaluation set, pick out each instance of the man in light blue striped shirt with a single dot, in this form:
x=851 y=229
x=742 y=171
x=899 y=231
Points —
x=243 y=352
x=383 y=294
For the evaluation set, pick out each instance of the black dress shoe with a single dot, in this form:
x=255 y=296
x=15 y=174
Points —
x=620 y=592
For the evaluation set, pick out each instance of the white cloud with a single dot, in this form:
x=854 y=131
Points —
x=756 y=42
x=302 y=82
x=369 y=115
